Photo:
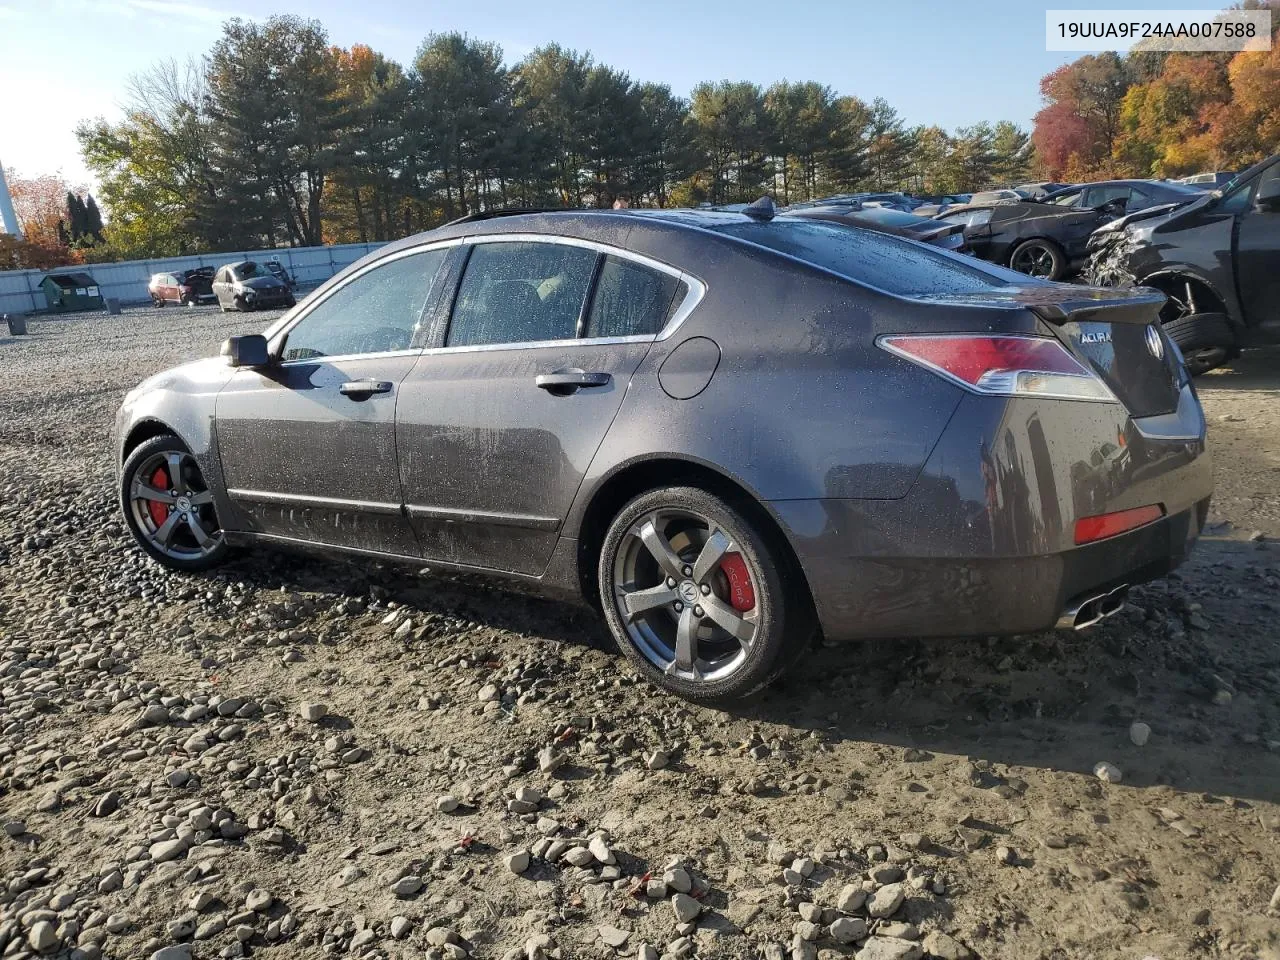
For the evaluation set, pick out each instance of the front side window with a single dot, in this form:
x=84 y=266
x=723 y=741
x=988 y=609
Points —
x=631 y=300
x=377 y=312
x=521 y=292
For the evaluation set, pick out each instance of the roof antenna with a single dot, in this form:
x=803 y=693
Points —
x=761 y=209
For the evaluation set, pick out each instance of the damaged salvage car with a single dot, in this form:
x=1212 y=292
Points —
x=1035 y=238
x=727 y=431
x=250 y=286
x=1216 y=259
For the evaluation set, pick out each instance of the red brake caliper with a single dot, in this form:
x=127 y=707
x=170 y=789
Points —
x=159 y=512
x=741 y=594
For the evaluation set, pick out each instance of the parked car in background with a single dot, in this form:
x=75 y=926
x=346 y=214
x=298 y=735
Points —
x=187 y=287
x=1209 y=181
x=932 y=206
x=996 y=196
x=948 y=236
x=728 y=431
x=897 y=201
x=1038 y=191
x=250 y=286
x=277 y=270
x=1034 y=238
x=1217 y=260
x=1130 y=195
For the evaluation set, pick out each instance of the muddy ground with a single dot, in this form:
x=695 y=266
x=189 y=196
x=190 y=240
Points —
x=162 y=792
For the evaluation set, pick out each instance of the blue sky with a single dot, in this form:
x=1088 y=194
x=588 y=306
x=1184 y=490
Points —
x=949 y=63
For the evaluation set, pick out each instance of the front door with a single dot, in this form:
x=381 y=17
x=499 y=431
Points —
x=308 y=444
x=497 y=425
x=1258 y=255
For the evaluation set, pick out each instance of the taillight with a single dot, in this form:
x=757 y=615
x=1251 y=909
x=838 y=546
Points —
x=1089 y=529
x=1002 y=365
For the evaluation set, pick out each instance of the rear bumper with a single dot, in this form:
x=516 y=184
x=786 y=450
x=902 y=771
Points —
x=984 y=542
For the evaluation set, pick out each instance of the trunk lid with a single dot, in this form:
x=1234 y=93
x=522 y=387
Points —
x=1117 y=335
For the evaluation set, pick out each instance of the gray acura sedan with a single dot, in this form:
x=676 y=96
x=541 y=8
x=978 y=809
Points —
x=726 y=430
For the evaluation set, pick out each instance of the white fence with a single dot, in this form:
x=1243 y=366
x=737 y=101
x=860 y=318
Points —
x=127 y=281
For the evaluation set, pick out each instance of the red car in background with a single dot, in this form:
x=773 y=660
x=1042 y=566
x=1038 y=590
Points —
x=187 y=287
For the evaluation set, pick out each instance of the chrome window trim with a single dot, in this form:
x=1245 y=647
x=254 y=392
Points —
x=285 y=324
x=695 y=290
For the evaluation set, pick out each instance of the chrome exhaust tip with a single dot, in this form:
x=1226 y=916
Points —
x=1093 y=608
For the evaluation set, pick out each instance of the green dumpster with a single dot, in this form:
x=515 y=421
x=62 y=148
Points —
x=71 y=291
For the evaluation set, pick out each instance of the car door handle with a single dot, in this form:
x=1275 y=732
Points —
x=564 y=382
x=361 y=389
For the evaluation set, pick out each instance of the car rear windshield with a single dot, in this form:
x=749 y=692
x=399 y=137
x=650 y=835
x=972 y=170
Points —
x=889 y=263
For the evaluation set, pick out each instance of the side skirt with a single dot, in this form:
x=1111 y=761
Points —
x=558 y=582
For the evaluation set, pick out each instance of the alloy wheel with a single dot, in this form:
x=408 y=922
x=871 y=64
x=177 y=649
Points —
x=684 y=592
x=173 y=507
x=1033 y=259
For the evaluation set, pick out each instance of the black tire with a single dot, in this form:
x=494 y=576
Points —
x=1205 y=339
x=138 y=460
x=1039 y=251
x=158 y=301
x=783 y=621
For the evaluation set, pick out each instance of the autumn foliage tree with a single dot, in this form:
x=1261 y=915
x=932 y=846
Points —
x=1159 y=114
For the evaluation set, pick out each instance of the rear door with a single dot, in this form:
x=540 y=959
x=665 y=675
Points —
x=308 y=444
x=499 y=421
x=1258 y=256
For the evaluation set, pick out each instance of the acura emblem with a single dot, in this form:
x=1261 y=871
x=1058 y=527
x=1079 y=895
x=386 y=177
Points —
x=1155 y=343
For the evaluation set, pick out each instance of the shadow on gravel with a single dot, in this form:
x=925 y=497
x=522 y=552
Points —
x=1253 y=370
x=468 y=597
x=1056 y=701
x=1062 y=701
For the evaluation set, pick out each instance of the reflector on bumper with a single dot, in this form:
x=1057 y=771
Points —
x=1089 y=529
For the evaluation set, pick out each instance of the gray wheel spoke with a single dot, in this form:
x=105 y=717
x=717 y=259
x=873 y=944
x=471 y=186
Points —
x=661 y=551
x=686 y=640
x=202 y=498
x=717 y=545
x=729 y=620
x=197 y=531
x=176 y=482
x=642 y=601
x=164 y=534
x=144 y=491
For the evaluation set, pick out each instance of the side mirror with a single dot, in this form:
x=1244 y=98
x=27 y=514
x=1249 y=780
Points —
x=1269 y=195
x=247 y=351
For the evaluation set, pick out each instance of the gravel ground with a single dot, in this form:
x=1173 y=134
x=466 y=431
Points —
x=306 y=758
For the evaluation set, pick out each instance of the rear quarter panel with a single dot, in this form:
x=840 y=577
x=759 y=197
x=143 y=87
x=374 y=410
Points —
x=803 y=404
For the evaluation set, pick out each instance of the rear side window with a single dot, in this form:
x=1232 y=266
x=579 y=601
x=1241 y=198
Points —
x=970 y=218
x=377 y=312
x=631 y=300
x=520 y=293
x=879 y=260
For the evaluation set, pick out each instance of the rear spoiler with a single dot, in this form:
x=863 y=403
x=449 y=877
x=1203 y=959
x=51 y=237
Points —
x=1139 y=306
